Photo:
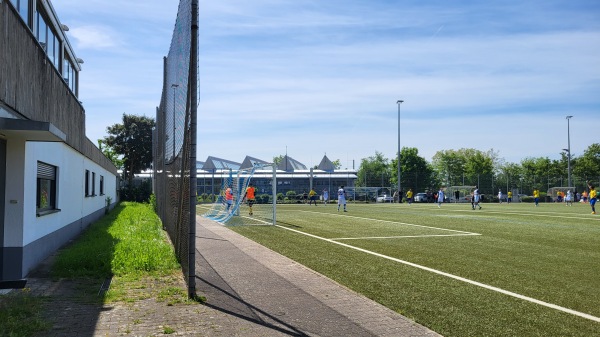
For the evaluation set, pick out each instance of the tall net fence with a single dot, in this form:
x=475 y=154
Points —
x=174 y=140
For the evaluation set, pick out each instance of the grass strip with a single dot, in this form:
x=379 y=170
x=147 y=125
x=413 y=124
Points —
x=127 y=245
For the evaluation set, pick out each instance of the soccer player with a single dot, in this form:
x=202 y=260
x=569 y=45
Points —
x=313 y=197
x=409 y=196
x=536 y=196
x=250 y=197
x=593 y=195
x=440 y=198
x=342 y=198
x=569 y=199
x=228 y=198
x=325 y=196
x=475 y=199
x=509 y=197
x=500 y=196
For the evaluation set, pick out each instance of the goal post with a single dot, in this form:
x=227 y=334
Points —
x=232 y=206
x=463 y=191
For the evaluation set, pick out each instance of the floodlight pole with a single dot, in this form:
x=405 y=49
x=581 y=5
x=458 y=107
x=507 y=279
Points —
x=399 y=184
x=569 y=150
x=174 y=86
x=274 y=193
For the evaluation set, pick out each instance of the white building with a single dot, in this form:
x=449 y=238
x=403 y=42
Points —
x=54 y=182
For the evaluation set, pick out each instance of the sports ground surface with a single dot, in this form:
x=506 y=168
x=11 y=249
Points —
x=505 y=270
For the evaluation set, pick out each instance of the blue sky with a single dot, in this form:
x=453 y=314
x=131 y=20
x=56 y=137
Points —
x=323 y=77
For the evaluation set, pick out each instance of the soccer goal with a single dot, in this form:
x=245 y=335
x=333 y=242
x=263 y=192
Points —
x=237 y=209
x=459 y=193
x=362 y=193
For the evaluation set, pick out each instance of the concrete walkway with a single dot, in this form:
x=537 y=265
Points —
x=278 y=296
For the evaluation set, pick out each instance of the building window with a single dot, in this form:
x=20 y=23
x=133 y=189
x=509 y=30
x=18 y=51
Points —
x=93 y=183
x=101 y=185
x=70 y=74
x=87 y=183
x=46 y=188
x=47 y=38
x=22 y=6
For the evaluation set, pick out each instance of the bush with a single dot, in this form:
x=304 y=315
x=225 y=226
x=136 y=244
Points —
x=139 y=193
x=152 y=202
x=206 y=198
x=263 y=199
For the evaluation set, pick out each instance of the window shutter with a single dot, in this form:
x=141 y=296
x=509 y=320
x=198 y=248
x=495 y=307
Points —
x=46 y=171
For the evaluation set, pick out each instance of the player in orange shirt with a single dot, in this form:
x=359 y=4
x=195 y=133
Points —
x=250 y=196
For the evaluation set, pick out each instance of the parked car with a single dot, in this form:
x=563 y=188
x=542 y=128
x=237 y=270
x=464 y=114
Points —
x=385 y=198
x=421 y=197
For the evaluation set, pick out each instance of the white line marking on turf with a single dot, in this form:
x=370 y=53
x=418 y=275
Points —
x=439 y=272
x=396 y=222
x=543 y=215
x=403 y=236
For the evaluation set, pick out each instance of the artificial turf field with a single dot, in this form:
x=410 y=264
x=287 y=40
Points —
x=505 y=270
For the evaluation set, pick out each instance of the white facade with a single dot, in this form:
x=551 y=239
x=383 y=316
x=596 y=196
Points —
x=54 y=182
x=37 y=235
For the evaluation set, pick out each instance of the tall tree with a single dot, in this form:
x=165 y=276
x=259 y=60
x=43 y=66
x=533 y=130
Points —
x=588 y=165
x=133 y=141
x=416 y=172
x=451 y=164
x=535 y=170
x=511 y=174
x=111 y=154
x=278 y=159
x=373 y=170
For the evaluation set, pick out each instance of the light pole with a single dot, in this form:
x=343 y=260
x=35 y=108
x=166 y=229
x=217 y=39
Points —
x=174 y=86
x=569 y=150
x=399 y=184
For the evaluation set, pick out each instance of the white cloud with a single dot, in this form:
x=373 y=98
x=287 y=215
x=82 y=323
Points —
x=95 y=37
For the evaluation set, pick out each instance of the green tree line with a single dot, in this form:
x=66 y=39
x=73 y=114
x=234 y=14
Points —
x=468 y=167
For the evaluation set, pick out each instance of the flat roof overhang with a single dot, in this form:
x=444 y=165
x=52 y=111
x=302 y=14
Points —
x=31 y=130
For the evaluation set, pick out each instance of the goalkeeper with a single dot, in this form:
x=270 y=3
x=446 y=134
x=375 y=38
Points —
x=250 y=197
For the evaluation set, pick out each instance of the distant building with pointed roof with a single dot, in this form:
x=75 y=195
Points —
x=214 y=163
x=290 y=164
x=326 y=165
x=251 y=162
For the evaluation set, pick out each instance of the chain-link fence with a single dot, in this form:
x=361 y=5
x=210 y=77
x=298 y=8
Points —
x=489 y=184
x=175 y=138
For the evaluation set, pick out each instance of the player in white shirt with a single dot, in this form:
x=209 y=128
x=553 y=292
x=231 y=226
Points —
x=440 y=198
x=342 y=198
x=569 y=199
x=475 y=198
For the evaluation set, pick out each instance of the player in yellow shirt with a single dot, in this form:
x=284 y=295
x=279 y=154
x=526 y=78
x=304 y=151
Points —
x=536 y=196
x=509 y=197
x=409 y=196
x=593 y=195
x=312 y=195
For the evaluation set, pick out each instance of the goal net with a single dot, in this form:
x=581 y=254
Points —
x=460 y=193
x=233 y=207
x=361 y=193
